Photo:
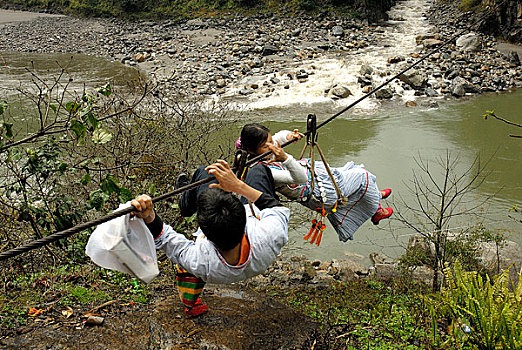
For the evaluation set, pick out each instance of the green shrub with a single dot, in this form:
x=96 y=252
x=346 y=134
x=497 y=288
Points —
x=484 y=314
x=467 y=5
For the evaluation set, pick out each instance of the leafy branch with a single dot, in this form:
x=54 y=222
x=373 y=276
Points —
x=493 y=115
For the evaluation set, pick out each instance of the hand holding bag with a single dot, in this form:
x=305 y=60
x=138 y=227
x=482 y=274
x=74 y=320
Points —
x=124 y=244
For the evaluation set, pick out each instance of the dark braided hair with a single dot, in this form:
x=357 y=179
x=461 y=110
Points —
x=252 y=136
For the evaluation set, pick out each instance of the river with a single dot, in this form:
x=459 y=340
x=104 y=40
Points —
x=387 y=143
x=386 y=137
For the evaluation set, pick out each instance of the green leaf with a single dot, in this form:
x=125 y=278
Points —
x=53 y=107
x=101 y=136
x=105 y=90
x=72 y=107
x=86 y=179
x=8 y=129
x=125 y=195
x=3 y=106
x=78 y=128
x=110 y=184
x=89 y=118
x=62 y=167
x=97 y=199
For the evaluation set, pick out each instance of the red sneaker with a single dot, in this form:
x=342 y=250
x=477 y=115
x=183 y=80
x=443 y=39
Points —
x=197 y=310
x=382 y=213
x=386 y=193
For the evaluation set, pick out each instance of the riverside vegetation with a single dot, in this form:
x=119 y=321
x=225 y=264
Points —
x=76 y=156
x=160 y=9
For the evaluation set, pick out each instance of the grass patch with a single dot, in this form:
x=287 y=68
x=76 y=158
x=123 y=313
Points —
x=77 y=288
x=363 y=314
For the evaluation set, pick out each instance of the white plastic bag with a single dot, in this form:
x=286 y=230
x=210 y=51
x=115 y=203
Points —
x=124 y=244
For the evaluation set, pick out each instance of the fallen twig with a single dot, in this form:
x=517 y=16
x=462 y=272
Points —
x=99 y=307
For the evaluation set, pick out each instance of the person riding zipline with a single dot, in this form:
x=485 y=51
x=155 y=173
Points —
x=293 y=179
x=231 y=244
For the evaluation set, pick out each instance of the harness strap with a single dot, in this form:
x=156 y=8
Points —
x=337 y=190
x=311 y=138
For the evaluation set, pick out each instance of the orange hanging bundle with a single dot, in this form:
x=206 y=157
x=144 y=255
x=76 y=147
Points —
x=314 y=224
x=318 y=227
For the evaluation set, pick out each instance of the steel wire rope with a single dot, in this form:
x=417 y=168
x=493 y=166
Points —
x=120 y=212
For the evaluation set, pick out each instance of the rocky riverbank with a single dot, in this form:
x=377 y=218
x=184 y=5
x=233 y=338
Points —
x=240 y=57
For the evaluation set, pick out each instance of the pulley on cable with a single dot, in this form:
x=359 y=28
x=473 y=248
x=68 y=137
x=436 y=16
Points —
x=318 y=223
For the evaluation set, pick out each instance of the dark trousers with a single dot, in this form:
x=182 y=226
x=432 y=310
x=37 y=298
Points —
x=258 y=177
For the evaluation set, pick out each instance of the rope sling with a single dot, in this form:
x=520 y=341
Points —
x=319 y=223
x=84 y=226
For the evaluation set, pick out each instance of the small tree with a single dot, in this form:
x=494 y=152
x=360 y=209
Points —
x=78 y=152
x=440 y=198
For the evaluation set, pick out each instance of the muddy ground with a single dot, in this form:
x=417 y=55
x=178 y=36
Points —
x=239 y=318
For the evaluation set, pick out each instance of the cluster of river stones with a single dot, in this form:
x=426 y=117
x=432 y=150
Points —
x=212 y=56
x=299 y=270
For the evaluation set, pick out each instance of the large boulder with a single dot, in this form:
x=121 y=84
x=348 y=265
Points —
x=364 y=80
x=140 y=58
x=429 y=43
x=496 y=258
x=269 y=50
x=513 y=58
x=469 y=42
x=384 y=93
x=348 y=270
x=386 y=271
x=340 y=91
x=366 y=70
x=415 y=79
x=460 y=86
x=337 y=31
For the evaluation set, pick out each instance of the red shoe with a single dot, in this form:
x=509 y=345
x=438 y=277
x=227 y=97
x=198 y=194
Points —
x=382 y=213
x=386 y=193
x=197 y=310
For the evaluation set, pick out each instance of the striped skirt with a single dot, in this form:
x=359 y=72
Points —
x=357 y=185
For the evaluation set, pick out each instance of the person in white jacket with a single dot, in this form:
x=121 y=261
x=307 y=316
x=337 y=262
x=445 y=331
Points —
x=293 y=179
x=231 y=244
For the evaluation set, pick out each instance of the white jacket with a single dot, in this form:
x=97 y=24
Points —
x=266 y=236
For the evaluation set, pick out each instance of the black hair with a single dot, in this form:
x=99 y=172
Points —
x=222 y=218
x=252 y=136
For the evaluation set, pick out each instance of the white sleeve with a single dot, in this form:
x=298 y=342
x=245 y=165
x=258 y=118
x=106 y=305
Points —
x=280 y=136
x=273 y=223
x=295 y=173
x=182 y=251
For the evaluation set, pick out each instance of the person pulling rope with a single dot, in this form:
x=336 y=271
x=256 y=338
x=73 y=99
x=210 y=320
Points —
x=346 y=196
x=84 y=226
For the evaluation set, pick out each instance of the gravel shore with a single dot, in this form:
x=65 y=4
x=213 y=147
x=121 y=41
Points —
x=212 y=57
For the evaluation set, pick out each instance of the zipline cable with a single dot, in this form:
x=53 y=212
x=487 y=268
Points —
x=84 y=226
x=120 y=212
